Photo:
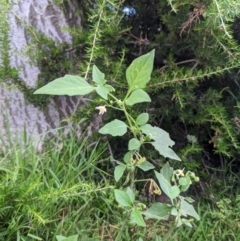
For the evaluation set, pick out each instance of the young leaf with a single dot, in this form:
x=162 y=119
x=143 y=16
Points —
x=118 y=171
x=103 y=91
x=136 y=218
x=127 y=157
x=142 y=119
x=145 y=166
x=188 y=209
x=161 y=142
x=67 y=85
x=97 y=76
x=185 y=183
x=138 y=73
x=122 y=198
x=137 y=96
x=114 y=128
x=159 y=211
x=164 y=184
x=133 y=144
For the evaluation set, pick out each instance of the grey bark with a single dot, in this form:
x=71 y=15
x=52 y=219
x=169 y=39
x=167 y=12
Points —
x=16 y=114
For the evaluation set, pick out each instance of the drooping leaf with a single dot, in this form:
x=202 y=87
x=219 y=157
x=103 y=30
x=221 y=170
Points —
x=122 y=198
x=162 y=141
x=159 y=211
x=68 y=85
x=134 y=144
x=138 y=73
x=142 y=119
x=136 y=218
x=118 y=171
x=167 y=171
x=145 y=166
x=114 y=128
x=164 y=184
x=137 y=96
x=97 y=76
x=188 y=209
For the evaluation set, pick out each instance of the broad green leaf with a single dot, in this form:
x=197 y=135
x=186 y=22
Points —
x=134 y=144
x=137 y=96
x=138 y=73
x=97 y=76
x=164 y=184
x=142 y=119
x=188 y=209
x=131 y=194
x=161 y=142
x=174 y=191
x=159 y=211
x=122 y=198
x=118 y=171
x=136 y=218
x=145 y=166
x=103 y=91
x=67 y=85
x=127 y=157
x=114 y=128
x=167 y=171
x=70 y=238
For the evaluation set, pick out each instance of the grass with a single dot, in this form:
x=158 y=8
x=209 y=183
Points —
x=68 y=190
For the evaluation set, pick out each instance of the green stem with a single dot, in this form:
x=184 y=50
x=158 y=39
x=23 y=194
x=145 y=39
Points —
x=121 y=105
x=132 y=180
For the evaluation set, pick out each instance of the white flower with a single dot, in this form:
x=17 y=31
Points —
x=102 y=109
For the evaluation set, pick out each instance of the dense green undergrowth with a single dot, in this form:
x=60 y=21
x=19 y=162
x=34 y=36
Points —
x=68 y=190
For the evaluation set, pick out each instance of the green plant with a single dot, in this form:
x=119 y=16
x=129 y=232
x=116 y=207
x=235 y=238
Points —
x=53 y=193
x=172 y=182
